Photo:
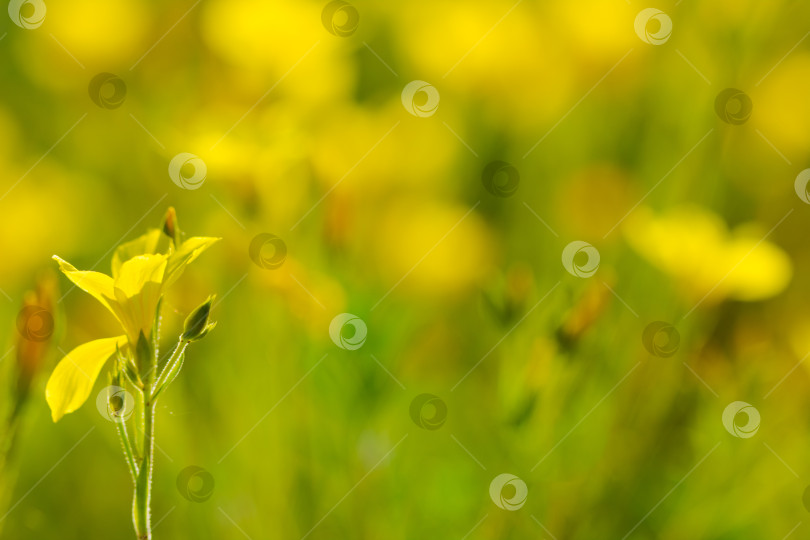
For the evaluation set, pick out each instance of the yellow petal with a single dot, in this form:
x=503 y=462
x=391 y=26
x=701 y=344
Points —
x=138 y=312
x=135 y=273
x=152 y=242
x=72 y=379
x=185 y=255
x=100 y=286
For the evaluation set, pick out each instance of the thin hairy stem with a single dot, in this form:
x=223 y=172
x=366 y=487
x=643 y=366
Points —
x=123 y=436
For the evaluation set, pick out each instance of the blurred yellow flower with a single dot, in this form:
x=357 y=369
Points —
x=98 y=36
x=695 y=247
x=434 y=247
x=593 y=199
x=781 y=108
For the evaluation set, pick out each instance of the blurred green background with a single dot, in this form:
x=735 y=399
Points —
x=385 y=215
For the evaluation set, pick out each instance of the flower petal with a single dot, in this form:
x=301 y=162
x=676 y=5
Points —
x=100 y=286
x=185 y=255
x=135 y=273
x=72 y=379
x=152 y=242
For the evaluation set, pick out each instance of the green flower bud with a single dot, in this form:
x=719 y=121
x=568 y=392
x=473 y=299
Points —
x=143 y=356
x=198 y=323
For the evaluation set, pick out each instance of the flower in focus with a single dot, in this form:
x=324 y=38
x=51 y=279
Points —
x=696 y=248
x=141 y=272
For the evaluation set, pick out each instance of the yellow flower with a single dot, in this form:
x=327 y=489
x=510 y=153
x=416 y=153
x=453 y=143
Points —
x=696 y=248
x=140 y=275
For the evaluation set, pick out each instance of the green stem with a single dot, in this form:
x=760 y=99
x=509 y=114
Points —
x=170 y=370
x=141 y=515
x=123 y=436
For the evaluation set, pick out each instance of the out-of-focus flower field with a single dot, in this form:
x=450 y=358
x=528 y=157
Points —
x=440 y=219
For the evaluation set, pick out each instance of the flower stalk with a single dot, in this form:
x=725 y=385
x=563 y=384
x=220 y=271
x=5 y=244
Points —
x=142 y=270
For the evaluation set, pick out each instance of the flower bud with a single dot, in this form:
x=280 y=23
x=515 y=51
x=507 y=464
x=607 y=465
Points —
x=144 y=356
x=170 y=227
x=35 y=325
x=198 y=323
